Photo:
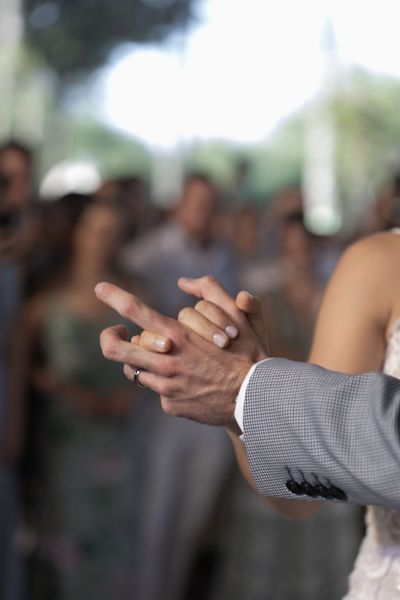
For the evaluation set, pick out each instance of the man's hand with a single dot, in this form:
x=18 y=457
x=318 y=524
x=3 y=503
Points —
x=195 y=379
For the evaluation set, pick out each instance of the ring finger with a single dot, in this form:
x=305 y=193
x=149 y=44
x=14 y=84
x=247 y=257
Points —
x=146 y=379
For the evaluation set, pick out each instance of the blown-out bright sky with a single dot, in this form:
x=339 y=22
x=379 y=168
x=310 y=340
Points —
x=246 y=66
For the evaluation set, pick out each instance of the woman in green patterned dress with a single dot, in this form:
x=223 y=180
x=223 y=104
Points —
x=90 y=493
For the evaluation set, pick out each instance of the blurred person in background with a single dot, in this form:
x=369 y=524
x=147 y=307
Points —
x=130 y=193
x=16 y=167
x=12 y=391
x=89 y=492
x=18 y=234
x=288 y=201
x=291 y=308
x=266 y=269
x=327 y=253
x=18 y=225
x=186 y=243
x=189 y=461
x=248 y=240
x=386 y=210
x=52 y=252
x=246 y=233
x=141 y=216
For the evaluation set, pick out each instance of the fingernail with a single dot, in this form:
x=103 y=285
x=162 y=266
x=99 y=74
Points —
x=185 y=279
x=98 y=288
x=220 y=340
x=232 y=331
x=250 y=296
x=160 y=343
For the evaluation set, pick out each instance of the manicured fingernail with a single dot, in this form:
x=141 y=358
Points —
x=160 y=343
x=232 y=331
x=98 y=289
x=220 y=340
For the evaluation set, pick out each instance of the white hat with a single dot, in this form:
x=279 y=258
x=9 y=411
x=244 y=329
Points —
x=69 y=177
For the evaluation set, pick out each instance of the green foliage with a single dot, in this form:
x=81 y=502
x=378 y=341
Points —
x=77 y=36
x=116 y=154
x=364 y=110
x=272 y=165
x=367 y=123
x=278 y=164
x=214 y=158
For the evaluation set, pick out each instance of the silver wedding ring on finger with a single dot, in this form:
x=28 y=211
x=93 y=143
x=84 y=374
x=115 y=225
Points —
x=136 y=378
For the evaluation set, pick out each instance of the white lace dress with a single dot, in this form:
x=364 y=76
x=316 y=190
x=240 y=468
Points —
x=376 y=573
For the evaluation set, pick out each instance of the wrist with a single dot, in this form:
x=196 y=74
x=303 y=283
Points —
x=233 y=429
x=241 y=394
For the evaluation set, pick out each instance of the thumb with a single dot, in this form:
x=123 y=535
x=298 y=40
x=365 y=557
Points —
x=253 y=308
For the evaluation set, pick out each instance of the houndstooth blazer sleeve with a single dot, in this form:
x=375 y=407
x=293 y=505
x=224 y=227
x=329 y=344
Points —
x=314 y=426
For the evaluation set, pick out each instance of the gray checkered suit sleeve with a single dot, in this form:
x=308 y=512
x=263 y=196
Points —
x=305 y=422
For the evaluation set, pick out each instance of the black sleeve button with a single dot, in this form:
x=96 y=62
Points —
x=294 y=487
x=338 y=494
x=322 y=491
x=309 y=490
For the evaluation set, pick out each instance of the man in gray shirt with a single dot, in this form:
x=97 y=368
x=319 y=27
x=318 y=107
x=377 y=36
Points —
x=188 y=460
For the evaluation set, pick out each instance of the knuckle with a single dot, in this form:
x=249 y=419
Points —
x=166 y=405
x=168 y=367
x=200 y=305
x=180 y=336
x=183 y=335
x=209 y=280
x=185 y=313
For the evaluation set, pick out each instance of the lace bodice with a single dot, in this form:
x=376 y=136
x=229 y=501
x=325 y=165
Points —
x=376 y=574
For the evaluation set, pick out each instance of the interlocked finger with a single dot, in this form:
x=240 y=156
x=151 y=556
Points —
x=116 y=349
x=216 y=315
x=153 y=342
x=206 y=329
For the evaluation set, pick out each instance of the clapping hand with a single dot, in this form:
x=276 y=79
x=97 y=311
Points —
x=196 y=379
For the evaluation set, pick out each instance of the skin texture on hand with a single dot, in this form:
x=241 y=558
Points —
x=195 y=379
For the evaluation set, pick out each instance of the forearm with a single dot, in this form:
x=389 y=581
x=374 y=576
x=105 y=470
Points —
x=336 y=432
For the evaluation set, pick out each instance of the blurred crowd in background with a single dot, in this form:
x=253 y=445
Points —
x=141 y=141
x=103 y=496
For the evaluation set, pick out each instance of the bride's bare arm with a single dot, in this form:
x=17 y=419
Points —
x=358 y=306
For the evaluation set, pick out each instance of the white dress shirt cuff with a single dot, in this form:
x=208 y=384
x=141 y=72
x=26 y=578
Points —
x=239 y=410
